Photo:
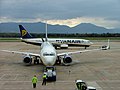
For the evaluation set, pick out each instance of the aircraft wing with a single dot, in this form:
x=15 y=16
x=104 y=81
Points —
x=23 y=53
x=76 y=52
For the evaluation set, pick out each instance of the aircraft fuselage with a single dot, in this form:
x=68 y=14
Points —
x=48 y=54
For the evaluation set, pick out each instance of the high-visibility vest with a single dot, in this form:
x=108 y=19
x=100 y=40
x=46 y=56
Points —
x=82 y=86
x=44 y=76
x=78 y=86
x=34 y=80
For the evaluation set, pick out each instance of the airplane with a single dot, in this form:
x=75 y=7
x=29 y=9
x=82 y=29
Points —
x=57 y=42
x=48 y=55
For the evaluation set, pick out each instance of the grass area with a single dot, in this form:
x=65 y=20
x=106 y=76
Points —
x=88 y=38
x=10 y=40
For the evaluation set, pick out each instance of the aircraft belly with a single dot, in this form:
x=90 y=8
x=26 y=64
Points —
x=33 y=43
x=82 y=45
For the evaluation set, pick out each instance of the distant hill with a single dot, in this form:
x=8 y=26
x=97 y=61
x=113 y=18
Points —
x=40 y=28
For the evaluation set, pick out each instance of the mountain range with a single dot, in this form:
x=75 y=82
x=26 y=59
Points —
x=40 y=28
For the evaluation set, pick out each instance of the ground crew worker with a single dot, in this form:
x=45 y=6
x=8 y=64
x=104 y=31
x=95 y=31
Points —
x=83 y=86
x=78 y=86
x=34 y=81
x=44 y=79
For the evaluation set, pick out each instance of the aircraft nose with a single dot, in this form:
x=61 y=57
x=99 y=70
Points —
x=50 y=61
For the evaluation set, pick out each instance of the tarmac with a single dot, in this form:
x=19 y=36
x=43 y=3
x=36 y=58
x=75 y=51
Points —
x=100 y=69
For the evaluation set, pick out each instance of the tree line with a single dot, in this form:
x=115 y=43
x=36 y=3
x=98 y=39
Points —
x=50 y=35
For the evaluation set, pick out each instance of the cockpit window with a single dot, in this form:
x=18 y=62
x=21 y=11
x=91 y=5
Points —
x=48 y=54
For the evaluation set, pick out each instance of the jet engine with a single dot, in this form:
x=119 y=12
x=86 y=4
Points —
x=64 y=46
x=67 y=59
x=27 y=60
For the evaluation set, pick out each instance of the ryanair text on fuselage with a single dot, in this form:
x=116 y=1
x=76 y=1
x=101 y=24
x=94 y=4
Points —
x=69 y=41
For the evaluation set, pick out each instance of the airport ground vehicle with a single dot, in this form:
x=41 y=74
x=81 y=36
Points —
x=50 y=71
x=81 y=85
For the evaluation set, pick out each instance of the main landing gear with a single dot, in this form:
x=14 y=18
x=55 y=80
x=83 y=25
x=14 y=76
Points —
x=36 y=60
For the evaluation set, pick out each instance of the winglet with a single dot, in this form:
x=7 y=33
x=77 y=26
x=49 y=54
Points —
x=24 y=33
x=108 y=44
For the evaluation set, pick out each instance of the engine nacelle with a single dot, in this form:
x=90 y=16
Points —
x=27 y=60
x=64 y=46
x=67 y=59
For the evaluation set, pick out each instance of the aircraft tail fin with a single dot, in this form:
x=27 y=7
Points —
x=24 y=33
x=46 y=38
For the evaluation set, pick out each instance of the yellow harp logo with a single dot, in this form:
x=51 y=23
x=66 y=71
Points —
x=24 y=32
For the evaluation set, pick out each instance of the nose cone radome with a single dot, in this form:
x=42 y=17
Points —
x=50 y=61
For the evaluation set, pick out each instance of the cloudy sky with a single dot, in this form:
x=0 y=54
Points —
x=104 y=13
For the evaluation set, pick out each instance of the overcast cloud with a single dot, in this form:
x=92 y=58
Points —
x=67 y=12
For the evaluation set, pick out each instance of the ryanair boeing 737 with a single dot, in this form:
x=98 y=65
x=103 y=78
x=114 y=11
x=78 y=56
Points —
x=57 y=42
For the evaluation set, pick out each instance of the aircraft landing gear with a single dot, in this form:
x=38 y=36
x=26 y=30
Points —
x=58 y=61
x=36 y=60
